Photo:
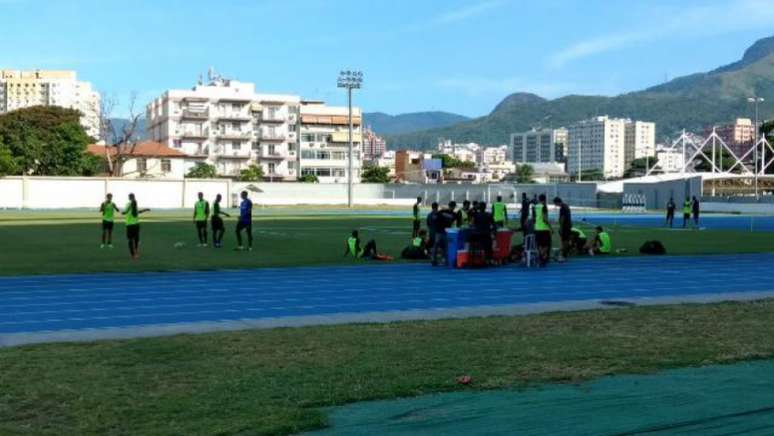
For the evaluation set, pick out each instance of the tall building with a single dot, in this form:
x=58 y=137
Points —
x=538 y=146
x=374 y=146
x=608 y=144
x=325 y=142
x=227 y=124
x=640 y=140
x=739 y=135
x=21 y=89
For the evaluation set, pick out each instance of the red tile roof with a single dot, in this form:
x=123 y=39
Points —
x=143 y=149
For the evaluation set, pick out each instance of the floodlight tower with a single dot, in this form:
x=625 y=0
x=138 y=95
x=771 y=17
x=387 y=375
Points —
x=755 y=101
x=350 y=80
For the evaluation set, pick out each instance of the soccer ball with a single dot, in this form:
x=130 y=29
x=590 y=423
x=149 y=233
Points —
x=179 y=245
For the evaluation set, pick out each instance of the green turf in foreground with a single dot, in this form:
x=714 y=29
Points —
x=67 y=242
x=277 y=381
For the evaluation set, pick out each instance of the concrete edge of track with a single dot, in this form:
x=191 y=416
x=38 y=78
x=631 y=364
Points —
x=146 y=331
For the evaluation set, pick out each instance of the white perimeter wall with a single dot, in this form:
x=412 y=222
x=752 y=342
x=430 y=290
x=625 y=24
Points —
x=77 y=192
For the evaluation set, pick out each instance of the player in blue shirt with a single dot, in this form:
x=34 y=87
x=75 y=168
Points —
x=245 y=222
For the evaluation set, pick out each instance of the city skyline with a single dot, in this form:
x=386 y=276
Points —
x=404 y=49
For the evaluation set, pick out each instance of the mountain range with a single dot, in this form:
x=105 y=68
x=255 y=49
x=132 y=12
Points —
x=385 y=124
x=690 y=102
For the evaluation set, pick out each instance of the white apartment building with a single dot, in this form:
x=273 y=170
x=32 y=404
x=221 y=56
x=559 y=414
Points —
x=227 y=124
x=324 y=142
x=640 y=140
x=608 y=144
x=492 y=155
x=464 y=152
x=538 y=146
x=21 y=89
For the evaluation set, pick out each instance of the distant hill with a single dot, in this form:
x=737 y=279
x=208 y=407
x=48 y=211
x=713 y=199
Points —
x=690 y=102
x=385 y=124
x=119 y=123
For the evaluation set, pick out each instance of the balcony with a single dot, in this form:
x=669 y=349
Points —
x=235 y=154
x=235 y=134
x=233 y=116
x=193 y=134
x=276 y=118
x=276 y=155
x=269 y=136
x=194 y=115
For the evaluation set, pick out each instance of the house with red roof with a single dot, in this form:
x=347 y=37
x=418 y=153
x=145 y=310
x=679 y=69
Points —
x=147 y=159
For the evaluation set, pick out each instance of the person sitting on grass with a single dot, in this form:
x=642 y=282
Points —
x=578 y=240
x=601 y=243
x=418 y=250
x=354 y=249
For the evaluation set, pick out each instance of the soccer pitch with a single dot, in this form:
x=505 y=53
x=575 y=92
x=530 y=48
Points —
x=68 y=242
x=280 y=381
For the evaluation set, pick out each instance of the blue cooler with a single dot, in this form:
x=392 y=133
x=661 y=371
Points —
x=453 y=244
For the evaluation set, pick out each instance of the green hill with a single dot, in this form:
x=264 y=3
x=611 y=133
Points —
x=385 y=124
x=690 y=102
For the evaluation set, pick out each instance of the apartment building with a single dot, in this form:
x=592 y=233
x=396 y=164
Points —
x=324 y=142
x=227 y=124
x=739 y=135
x=538 y=146
x=374 y=146
x=21 y=89
x=608 y=144
x=492 y=155
x=640 y=140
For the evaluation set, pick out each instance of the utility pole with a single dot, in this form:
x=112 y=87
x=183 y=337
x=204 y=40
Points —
x=350 y=80
x=755 y=101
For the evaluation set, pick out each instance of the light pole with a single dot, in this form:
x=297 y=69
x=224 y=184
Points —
x=755 y=101
x=350 y=80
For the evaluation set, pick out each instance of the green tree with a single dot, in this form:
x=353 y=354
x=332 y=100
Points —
x=448 y=161
x=253 y=173
x=44 y=140
x=640 y=166
x=7 y=162
x=375 y=174
x=308 y=178
x=525 y=173
x=202 y=171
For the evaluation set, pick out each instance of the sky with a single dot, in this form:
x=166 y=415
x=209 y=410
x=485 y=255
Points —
x=416 y=55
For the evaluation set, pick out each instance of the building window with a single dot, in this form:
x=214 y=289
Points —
x=272 y=149
x=142 y=165
x=256 y=146
x=307 y=137
x=272 y=168
x=177 y=143
x=236 y=146
x=166 y=165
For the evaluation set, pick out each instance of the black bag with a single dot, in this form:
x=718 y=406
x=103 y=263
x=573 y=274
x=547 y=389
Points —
x=653 y=247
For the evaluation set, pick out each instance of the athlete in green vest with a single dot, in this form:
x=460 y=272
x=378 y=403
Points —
x=418 y=248
x=578 y=238
x=108 y=210
x=218 y=228
x=542 y=230
x=602 y=243
x=132 y=213
x=687 y=206
x=355 y=250
x=200 y=215
x=499 y=212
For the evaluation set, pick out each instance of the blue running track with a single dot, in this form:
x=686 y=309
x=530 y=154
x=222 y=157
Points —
x=35 y=305
x=758 y=223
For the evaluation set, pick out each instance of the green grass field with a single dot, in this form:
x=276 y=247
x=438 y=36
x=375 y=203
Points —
x=279 y=381
x=68 y=242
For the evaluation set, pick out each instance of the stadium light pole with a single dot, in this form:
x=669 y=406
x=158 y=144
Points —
x=350 y=80
x=755 y=101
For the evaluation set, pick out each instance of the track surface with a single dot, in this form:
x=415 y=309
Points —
x=35 y=306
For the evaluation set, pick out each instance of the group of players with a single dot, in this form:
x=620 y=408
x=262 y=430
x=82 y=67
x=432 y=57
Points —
x=201 y=215
x=534 y=223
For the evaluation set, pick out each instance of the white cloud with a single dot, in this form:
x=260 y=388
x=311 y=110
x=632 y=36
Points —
x=706 y=20
x=464 y=13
